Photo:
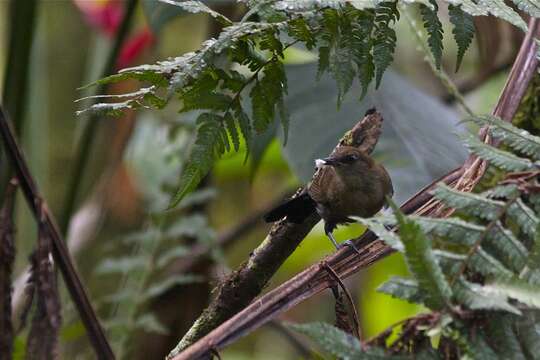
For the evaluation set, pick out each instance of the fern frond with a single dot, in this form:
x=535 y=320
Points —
x=475 y=297
x=531 y=7
x=502 y=337
x=524 y=216
x=529 y=334
x=402 y=288
x=362 y=29
x=508 y=249
x=473 y=204
x=422 y=263
x=518 y=139
x=516 y=289
x=208 y=144
x=500 y=158
x=195 y=7
x=463 y=30
x=434 y=29
x=386 y=13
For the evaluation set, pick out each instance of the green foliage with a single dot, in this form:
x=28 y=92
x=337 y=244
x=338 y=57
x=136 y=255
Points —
x=463 y=30
x=385 y=39
x=434 y=29
x=482 y=259
x=336 y=342
x=354 y=40
x=143 y=273
x=422 y=263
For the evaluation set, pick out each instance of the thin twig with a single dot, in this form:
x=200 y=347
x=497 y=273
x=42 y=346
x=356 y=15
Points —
x=346 y=262
x=336 y=277
x=60 y=252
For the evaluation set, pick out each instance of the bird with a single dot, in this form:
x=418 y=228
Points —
x=347 y=183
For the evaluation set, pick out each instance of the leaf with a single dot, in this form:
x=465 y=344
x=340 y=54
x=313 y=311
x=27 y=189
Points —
x=150 y=323
x=401 y=288
x=172 y=254
x=503 y=338
x=384 y=37
x=331 y=339
x=122 y=265
x=518 y=139
x=434 y=28
x=499 y=9
x=531 y=7
x=208 y=143
x=528 y=332
x=165 y=285
x=299 y=29
x=507 y=247
x=422 y=262
x=524 y=217
x=195 y=7
x=362 y=30
x=472 y=204
x=500 y=158
x=267 y=94
x=516 y=289
x=463 y=30
x=389 y=237
x=475 y=297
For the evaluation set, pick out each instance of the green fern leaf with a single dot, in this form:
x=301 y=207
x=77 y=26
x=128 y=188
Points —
x=362 y=41
x=208 y=144
x=463 y=30
x=518 y=139
x=422 y=263
x=502 y=192
x=160 y=287
x=233 y=131
x=434 y=28
x=267 y=95
x=298 y=29
x=507 y=248
x=384 y=45
x=528 y=332
x=499 y=9
x=531 y=7
x=196 y=7
x=516 y=289
x=402 y=288
x=389 y=237
x=503 y=338
x=524 y=217
x=475 y=297
x=336 y=342
x=473 y=204
x=500 y=158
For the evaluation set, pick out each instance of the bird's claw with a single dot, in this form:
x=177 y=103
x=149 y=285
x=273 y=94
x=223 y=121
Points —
x=350 y=244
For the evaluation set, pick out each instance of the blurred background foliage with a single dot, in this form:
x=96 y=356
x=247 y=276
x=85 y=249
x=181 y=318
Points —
x=135 y=258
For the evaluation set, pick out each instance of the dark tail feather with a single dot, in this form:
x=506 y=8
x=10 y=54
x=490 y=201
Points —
x=296 y=209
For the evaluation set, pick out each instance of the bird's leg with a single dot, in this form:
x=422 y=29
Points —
x=328 y=229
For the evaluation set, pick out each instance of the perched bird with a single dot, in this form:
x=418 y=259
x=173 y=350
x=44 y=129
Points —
x=348 y=183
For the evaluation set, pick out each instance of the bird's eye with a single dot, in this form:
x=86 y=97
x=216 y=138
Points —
x=350 y=158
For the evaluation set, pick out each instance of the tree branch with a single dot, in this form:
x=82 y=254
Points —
x=346 y=262
x=61 y=255
x=243 y=285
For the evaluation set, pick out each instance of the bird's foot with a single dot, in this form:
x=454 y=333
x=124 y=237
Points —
x=350 y=244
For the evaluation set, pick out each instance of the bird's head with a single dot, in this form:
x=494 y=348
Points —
x=347 y=159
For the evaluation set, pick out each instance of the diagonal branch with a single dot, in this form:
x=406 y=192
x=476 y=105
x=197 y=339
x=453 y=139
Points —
x=243 y=285
x=61 y=255
x=346 y=262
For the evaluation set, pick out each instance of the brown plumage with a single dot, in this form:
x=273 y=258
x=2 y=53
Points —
x=348 y=183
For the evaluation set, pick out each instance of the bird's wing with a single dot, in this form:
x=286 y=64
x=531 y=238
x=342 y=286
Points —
x=316 y=188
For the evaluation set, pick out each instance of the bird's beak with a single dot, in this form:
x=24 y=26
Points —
x=330 y=161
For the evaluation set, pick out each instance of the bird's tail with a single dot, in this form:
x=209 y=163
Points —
x=296 y=209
